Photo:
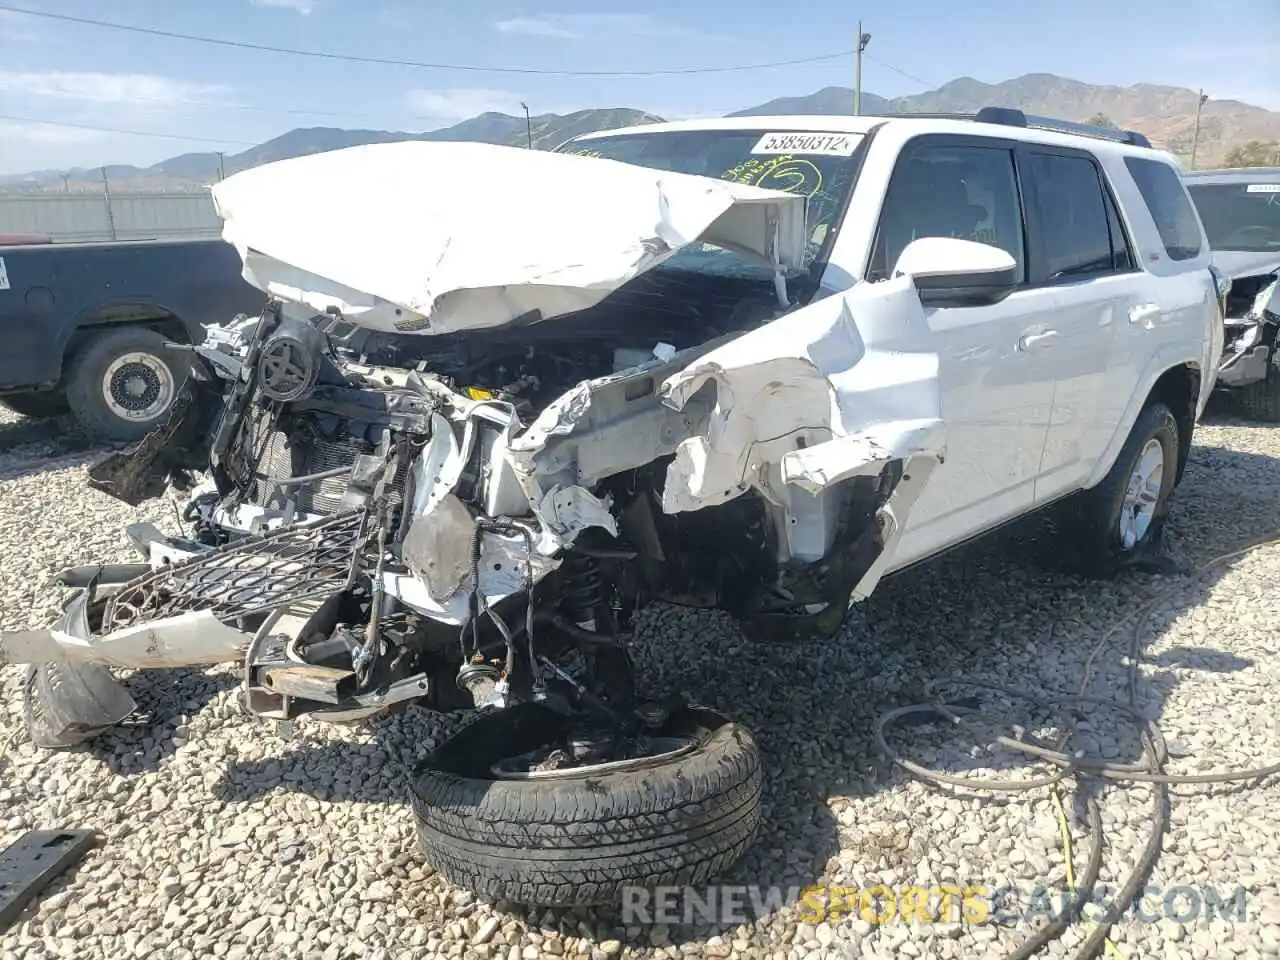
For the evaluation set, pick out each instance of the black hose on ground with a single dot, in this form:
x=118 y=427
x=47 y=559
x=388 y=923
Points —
x=1150 y=770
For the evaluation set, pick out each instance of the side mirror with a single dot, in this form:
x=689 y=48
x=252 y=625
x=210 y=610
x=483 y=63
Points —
x=957 y=273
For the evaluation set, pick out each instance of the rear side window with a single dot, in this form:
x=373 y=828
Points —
x=1175 y=217
x=1081 y=230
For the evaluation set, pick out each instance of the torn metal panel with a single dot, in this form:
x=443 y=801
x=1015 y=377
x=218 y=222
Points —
x=416 y=254
x=607 y=425
x=186 y=640
x=836 y=390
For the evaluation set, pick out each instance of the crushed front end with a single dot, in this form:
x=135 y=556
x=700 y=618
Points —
x=470 y=515
x=1252 y=315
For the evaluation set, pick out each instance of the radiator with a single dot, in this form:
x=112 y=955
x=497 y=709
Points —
x=322 y=497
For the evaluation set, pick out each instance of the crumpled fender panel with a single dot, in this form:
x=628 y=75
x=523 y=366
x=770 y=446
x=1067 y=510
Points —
x=835 y=390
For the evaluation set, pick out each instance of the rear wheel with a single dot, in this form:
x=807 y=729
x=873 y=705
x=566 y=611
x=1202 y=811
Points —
x=37 y=405
x=1122 y=517
x=121 y=384
x=502 y=811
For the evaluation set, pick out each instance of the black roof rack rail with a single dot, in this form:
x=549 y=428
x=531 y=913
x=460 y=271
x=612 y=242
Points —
x=1012 y=117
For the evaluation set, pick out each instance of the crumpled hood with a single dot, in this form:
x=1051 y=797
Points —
x=1244 y=263
x=442 y=237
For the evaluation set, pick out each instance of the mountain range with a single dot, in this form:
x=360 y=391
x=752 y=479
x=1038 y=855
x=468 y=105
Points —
x=1165 y=114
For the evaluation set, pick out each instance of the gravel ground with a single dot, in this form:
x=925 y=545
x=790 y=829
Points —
x=227 y=837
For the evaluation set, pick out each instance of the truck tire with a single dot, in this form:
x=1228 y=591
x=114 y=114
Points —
x=1261 y=400
x=122 y=382
x=1122 y=517
x=578 y=837
x=37 y=405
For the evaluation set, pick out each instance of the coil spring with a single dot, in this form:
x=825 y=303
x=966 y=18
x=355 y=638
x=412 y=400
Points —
x=580 y=594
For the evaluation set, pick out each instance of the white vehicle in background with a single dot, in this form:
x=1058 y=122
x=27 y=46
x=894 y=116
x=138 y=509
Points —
x=503 y=397
x=1240 y=209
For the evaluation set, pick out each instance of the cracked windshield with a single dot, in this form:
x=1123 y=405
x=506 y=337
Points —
x=818 y=166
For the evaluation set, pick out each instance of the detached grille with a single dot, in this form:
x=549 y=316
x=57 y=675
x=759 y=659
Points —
x=286 y=566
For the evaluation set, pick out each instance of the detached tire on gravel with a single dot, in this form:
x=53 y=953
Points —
x=122 y=382
x=578 y=838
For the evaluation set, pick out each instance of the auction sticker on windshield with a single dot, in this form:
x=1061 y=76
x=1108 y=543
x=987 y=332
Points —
x=1262 y=188
x=810 y=144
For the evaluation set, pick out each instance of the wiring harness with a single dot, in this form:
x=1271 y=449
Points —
x=1074 y=764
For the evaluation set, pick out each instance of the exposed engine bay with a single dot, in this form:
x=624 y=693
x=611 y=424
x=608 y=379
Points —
x=1252 y=315
x=450 y=466
x=445 y=519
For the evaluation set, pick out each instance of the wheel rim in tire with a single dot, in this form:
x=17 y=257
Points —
x=524 y=767
x=1142 y=494
x=138 y=387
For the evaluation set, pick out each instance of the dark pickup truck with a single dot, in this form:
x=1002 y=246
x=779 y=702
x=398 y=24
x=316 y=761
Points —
x=83 y=326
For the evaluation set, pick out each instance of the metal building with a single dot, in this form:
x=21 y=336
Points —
x=81 y=217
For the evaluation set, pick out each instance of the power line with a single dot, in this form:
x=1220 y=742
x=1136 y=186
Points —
x=132 y=133
x=890 y=66
x=384 y=61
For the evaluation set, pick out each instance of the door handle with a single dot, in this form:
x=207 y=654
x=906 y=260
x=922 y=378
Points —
x=1029 y=341
x=1144 y=314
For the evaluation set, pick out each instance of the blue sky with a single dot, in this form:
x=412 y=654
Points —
x=77 y=74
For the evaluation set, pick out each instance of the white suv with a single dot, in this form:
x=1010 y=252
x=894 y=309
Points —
x=503 y=397
x=1076 y=348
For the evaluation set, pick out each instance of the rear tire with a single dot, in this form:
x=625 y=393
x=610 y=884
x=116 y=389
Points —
x=1121 y=518
x=579 y=838
x=1261 y=400
x=122 y=383
x=39 y=405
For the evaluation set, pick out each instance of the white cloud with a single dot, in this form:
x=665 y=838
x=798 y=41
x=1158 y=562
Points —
x=108 y=88
x=304 y=7
x=45 y=134
x=459 y=104
x=577 y=26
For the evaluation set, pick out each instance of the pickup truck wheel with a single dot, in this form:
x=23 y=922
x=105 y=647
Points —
x=1261 y=400
x=122 y=383
x=496 y=823
x=37 y=405
x=1123 y=515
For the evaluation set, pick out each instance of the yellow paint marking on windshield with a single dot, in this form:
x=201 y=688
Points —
x=784 y=173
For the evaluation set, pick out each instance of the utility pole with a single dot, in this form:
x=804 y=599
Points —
x=1195 y=137
x=66 y=182
x=863 y=40
x=528 y=124
x=222 y=167
x=106 y=194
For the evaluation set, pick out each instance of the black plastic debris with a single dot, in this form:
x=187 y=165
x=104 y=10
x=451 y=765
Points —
x=32 y=862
